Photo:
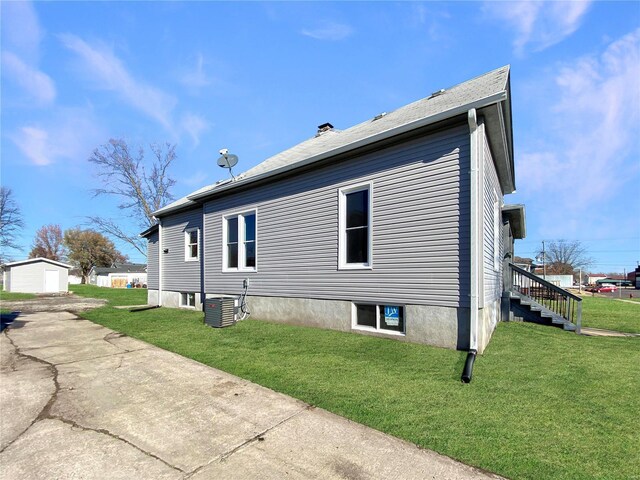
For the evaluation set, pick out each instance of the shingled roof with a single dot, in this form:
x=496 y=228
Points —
x=490 y=89
x=121 y=268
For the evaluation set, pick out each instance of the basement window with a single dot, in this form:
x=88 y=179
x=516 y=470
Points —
x=188 y=300
x=378 y=318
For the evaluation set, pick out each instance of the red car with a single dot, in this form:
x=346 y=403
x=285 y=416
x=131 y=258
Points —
x=606 y=288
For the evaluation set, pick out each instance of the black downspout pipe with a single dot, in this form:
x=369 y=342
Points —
x=468 y=366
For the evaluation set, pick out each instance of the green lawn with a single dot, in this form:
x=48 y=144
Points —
x=543 y=403
x=11 y=296
x=610 y=314
x=115 y=296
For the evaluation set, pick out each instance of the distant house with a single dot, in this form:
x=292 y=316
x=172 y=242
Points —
x=593 y=278
x=563 y=281
x=635 y=277
x=75 y=276
x=36 y=275
x=395 y=227
x=524 y=263
x=119 y=275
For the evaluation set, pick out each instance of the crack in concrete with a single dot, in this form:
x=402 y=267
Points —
x=47 y=407
x=99 y=357
x=106 y=432
x=258 y=437
x=113 y=335
x=45 y=413
x=120 y=362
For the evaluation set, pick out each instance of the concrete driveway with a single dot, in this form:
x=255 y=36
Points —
x=81 y=401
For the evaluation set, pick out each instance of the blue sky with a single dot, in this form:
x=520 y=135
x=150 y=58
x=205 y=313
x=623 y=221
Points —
x=258 y=78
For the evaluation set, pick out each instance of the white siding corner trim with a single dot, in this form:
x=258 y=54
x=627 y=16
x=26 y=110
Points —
x=496 y=233
x=342 y=227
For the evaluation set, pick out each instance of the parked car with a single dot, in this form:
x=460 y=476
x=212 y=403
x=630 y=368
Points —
x=606 y=288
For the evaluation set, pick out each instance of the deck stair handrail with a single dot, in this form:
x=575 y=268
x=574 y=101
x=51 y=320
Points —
x=546 y=294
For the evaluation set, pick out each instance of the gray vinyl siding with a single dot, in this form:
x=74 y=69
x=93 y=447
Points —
x=492 y=277
x=178 y=274
x=153 y=249
x=420 y=228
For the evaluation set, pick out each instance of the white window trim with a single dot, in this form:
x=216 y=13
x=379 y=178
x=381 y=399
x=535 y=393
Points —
x=364 y=328
x=342 y=232
x=241 y=250
x=186 y=305
x=496 y=232
x=187 y=251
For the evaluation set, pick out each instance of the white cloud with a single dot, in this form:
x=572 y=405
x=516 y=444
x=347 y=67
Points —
x=538 y=23
x=591 y=148
x=70 y=134
x=109 y=73
x=33 y=142
x=194 y=125
x=21 y=37
x=36 y=84
x=331 y=31
x=196 y=78
x=20 y=28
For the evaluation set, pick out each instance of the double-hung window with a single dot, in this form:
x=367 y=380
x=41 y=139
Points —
x=240 y=242
x=355 y=226
x=191 y=244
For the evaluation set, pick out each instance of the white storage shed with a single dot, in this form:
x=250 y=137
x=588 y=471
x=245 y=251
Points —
x=36 y=275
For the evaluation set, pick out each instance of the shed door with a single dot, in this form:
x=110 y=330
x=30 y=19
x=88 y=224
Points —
x=51 y=281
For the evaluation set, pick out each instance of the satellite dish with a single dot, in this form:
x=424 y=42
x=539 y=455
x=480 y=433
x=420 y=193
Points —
x=227 y=160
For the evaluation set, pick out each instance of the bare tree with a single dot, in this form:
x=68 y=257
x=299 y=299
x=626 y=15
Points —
x=88 y=249
x=48 y=243
x=11 y=222
x=141 y=189
x=563 y=257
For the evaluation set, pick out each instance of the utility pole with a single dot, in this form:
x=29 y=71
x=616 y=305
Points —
x=580 y=281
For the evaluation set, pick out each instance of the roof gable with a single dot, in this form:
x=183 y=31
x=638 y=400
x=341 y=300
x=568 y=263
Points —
x=36 y=260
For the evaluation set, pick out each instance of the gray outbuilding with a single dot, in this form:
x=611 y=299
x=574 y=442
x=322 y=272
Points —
x=36 y=275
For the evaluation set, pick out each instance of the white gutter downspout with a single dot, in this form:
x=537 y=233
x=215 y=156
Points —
x=160 y=255
x=475 y=241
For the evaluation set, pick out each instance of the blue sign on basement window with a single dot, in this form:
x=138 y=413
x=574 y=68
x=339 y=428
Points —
x=392 y=315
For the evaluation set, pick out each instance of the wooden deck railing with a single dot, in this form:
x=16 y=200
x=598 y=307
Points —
x=552 y=297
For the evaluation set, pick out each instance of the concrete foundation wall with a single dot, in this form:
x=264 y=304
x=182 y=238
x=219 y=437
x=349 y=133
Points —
x=488 y=320
x=333 y=314
x=152 y=297
x=446 y=327
x=438 y=326
x=171 y=299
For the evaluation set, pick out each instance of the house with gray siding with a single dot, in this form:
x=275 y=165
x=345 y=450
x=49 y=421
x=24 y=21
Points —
x=119 y=275
x=395 y=227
